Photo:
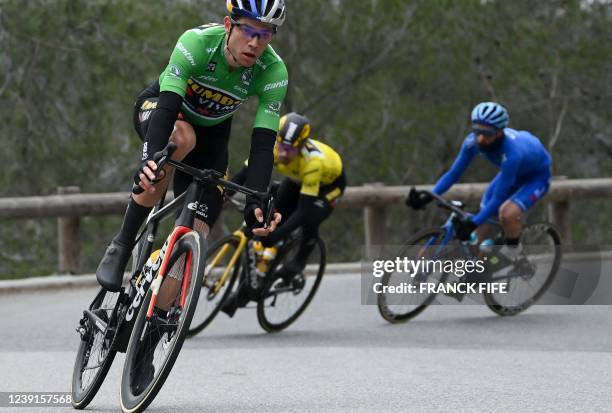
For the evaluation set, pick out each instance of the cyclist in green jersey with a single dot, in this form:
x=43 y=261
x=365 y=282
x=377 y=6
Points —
x=213 y=69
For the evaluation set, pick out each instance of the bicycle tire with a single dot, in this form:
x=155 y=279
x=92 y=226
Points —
x=384 y=308
x=130 y=402
x=264 y=318
x=506 y=310
x=81 y=397
x=211 y=252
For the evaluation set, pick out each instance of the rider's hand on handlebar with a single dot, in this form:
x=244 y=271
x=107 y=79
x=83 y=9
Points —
x=418 y=199
x=464 y=227
x=146 y=176
x=264 y=231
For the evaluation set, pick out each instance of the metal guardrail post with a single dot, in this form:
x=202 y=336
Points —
x=69 y=238
x=374 y=221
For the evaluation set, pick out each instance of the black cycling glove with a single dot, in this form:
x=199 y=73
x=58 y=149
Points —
x=418 y=199
x=464 y=227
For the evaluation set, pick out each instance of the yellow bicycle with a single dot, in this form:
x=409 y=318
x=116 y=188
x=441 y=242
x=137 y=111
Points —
x=281 y=297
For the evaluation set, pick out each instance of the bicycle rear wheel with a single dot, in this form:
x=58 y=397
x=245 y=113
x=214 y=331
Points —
x=531 y=275
x=285 y=298
x=155 y=343
x=216 y=283
x=95 y=354
x=398 y=308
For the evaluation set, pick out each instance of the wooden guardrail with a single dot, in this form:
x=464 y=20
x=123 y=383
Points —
x=374 y=198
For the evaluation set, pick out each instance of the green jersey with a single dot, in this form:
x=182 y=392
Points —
x=211 y=90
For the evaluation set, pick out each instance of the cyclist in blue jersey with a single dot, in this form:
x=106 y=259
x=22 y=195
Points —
x=523 y=179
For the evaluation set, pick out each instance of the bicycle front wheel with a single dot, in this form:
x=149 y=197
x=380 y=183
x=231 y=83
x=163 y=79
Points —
x=286 y=297
x=398 y=308
x=532 y=273
x=95 y=354
x=156 y=342
x=222 y=268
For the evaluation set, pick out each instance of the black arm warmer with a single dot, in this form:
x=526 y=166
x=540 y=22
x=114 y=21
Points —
x=297 y=218
x=261 y=160
x=161 y=123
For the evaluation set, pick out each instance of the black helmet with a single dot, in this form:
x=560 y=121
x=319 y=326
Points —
x=293 y=129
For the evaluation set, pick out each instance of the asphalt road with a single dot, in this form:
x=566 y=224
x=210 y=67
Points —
x=341 y=356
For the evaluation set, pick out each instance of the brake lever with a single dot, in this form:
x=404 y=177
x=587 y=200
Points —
x=269 y=211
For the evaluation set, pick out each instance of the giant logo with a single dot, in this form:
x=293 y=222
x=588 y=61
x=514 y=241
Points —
x=208 y=102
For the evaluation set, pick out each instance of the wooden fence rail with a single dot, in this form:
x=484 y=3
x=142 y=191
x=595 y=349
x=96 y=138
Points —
x=69 y=205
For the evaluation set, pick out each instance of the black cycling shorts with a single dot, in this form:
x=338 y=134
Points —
x=210 y=152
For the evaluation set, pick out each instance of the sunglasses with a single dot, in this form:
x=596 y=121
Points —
x=487 y=133
x=250 y=31
x=288 y=148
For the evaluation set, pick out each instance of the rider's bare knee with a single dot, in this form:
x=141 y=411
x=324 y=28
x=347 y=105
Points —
x=184 y=136
x=509 y=213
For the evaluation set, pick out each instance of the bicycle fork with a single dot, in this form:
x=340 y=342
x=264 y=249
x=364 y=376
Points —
x=169 y=245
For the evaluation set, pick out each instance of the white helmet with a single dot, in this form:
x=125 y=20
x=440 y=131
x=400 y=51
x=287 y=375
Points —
x=265 y=11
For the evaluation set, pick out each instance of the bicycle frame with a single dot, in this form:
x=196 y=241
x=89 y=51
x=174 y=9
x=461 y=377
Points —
x=447 y=227
x=242 y=242
x=139 y=285
x=185 y=222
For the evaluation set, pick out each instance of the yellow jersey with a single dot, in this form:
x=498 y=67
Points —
x=316 y=165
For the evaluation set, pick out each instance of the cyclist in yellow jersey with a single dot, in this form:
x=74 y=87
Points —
x=307 y=195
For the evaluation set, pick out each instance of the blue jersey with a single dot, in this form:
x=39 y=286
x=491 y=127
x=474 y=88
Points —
x=521 y=158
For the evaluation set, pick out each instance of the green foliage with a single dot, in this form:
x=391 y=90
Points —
x=389 y=83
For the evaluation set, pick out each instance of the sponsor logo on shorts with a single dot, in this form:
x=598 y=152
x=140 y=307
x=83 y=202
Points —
x=146 y=108
x=144 y=116
x=148 y=105
x=537 y=194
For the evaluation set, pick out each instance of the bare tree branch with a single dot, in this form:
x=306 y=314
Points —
x=558 y=126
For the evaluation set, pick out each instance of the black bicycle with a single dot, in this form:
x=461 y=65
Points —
x=526 y=277
x=281 y=296
x=148 y=326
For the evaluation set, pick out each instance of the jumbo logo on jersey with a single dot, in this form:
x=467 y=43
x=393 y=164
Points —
x=209 y=102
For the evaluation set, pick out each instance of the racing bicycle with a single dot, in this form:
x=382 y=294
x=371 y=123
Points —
x=281 y=296
x=526 y=277
x=137 y=320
